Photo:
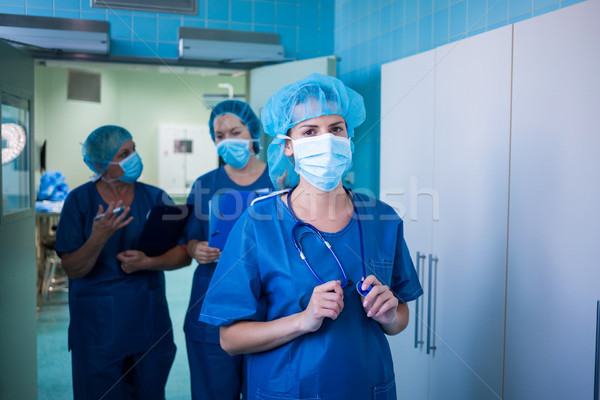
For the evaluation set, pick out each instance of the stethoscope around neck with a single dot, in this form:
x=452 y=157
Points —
x=301 y=224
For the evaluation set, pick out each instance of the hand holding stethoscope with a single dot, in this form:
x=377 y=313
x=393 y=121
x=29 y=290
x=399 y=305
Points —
x=327 y=299
x=380 y=303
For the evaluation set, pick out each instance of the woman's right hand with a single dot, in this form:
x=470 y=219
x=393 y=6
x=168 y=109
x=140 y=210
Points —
x=106 y=226
x=204 y=254
x=327 y=301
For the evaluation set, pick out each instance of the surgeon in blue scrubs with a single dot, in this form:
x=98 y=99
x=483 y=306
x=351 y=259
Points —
x=235 y=130
x=286 y=291
x=120 y=333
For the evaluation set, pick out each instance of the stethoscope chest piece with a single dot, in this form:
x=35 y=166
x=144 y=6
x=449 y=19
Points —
x=363 y=293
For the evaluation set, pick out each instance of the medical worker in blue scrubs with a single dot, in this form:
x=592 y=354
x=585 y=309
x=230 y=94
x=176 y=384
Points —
x=235 y=130
x=286 y=292
x=120 y=333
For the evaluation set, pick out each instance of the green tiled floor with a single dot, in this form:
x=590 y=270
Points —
x=54 y=360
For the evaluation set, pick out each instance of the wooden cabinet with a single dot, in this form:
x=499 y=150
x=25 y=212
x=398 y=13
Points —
x=489 y=152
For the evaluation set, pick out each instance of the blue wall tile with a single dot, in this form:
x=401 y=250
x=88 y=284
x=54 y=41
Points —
x=217 y=24
x=94 y=16
x=41 y=12
x=385 y=47
x=440 y=28
x=439 y=4
x=121 y=47
x=411 y=10
x=326 y=43
x=67 y=4
x=386 y=18
x=168 y=29
x=308 y=18
x=241 y=11
x=497 y=11
x=12 y=9
x=194 y=22
x=66 y=14
x=31 y=3
x=326 y=17
x=218 y=10
x=167 y=50
x=286 y=14
x=240 y=27
x=516 y=8
x=288 y=37
x=375 y=23
x=458 y=18
x=20 y=3
x=410 y=38
x=144 y=28
x=264 y=13
x=308 y=38
x=264 y=28
x=144 y=49
x=566 y=3
x=398 y=42
x=425 y=34
x=537 y=4
x=398 y=13
x=521 y=17
x=476 y=14
x=120 y=25
x=425 y=7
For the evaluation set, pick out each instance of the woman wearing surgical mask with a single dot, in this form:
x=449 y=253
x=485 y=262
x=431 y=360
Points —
x=318 y=276
x=120 y=333
x=235 y=129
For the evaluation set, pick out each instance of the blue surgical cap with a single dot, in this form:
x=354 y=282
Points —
x=311 y=97
x=241 y=110
x=101 y=146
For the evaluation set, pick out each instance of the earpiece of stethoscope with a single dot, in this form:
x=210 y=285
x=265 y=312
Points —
x=363 y=293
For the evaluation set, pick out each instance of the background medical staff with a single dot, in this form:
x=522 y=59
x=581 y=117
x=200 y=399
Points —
x=235 y=129
x=120 y=333
x=288 y=300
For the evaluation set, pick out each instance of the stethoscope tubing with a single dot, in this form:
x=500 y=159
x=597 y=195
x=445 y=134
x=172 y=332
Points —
x=300 y=224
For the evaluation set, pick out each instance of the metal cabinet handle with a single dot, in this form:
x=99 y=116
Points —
x=429 y=305
x=419 y=319
x=597 y=372
x=434 y=277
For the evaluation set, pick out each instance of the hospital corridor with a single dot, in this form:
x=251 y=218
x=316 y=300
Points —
x=299 y=199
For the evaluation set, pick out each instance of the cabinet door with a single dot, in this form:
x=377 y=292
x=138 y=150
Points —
x=406 y=182
x=554 y=235
x=472 y=136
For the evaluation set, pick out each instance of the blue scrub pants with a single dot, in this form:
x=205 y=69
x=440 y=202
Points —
x=98 y=375
x=215 y=374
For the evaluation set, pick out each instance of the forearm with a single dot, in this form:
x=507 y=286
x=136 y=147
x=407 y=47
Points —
x=399 y=323
x=191 y=246
x=253 y=337
x=175 y=258
x=80 y=262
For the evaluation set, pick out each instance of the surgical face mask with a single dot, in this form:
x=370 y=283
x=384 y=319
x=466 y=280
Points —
x=132 y=167
x=322 y=160
x=235 y=152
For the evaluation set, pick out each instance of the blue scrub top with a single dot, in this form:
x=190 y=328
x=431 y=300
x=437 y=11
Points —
x=261 y=277
x=112 y=311
x=203 y=190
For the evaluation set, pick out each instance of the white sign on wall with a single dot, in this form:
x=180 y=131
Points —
x=184 y=154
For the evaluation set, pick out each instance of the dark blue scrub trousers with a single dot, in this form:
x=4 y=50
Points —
x=99 y=375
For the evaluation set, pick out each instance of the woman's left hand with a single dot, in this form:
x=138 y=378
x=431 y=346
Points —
x=380 y=303
x=133 y=260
